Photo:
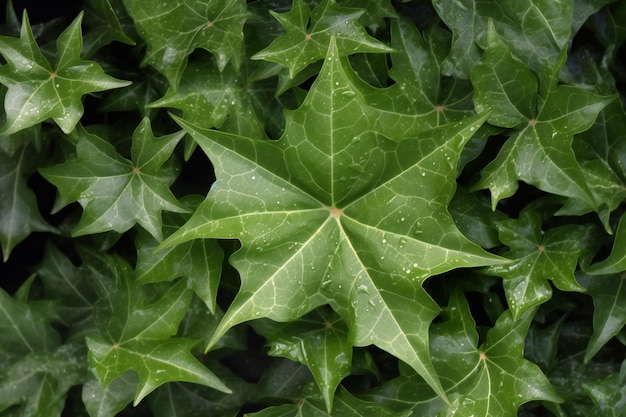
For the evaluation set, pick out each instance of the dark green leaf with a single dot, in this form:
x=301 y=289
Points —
x=173 y=30
x=309 y=34
x=538 y=257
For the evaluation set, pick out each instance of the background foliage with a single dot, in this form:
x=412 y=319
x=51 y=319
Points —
x=312 y=208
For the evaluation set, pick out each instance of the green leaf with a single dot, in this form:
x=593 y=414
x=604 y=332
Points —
x=64 y=281
x=38 y=90
x=19 y=214
x=537 y=38
x=135 y=330
x=200 y=261
x=309 y=34
x=537 y=256
x=110 y=400
x=345 y=405
x=503 y=84
x=609 y=394
x=540 y=152
x=115 y=192
x=318 y=340
x=210 y=98
x=101 y=16
x=493 y=379
x=616 y=261
x=609 y=312
x=307 y=211
x=38 y=383
x=173 y=30
x=420 y=99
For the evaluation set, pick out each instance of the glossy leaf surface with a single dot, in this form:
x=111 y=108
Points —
x=319 y=226
x=39 y=90
x=115 y=192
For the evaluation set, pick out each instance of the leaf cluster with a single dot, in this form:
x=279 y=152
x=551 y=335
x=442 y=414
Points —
x=313 y=208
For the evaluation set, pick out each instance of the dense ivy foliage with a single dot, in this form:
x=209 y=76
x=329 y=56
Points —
x=313 y=208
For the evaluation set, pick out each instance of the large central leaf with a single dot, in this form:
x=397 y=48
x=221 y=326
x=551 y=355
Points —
x=334 y=214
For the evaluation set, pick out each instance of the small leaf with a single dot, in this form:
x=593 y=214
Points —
x=493 y=379
x=134 y=333
x=313 y=230
x=101 y=16
x=608 y=394
x=115 y=192
x=318 y=340
x=38 y=90
x=200 y=261
x=616 y=261
x=173 y=30
x=537 y=258
x=609 y=309
x=110 y=400
x=309 y=34
x=19 y=214
x=503 y=84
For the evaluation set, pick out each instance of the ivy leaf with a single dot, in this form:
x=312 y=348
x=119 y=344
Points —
x=38 y=383
x=19 y=215
x=608 y=394
x=110 y=400
x=609 y=309
x=309 y=34
x=101 y=16
x=306 y=209
x=173 y=30
x=420 y=99
x=345 y=405
x=134 y=332
x=540 y=152
x=616 y=261
x=200 y=261
x=537 y=258
x=493 y=379
x=318 y=340
x=538 y=38
x=38 y=90
x=209 y=98
x=115 y=192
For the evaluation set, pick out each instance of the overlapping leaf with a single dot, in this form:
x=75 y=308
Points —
x=102 y=17
x=345 y=405
x=116 y=193
x=540 y=152
x=200 y=261
x=421 y=98
x=309 y=212
x=134 y=332
x=320 y=341
x=174 y=29
x=309 y=34
x=492 y=379
x=538 y=257
x=536 y=31
x=609 y=309
x=37 y=90
x=19 y=215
